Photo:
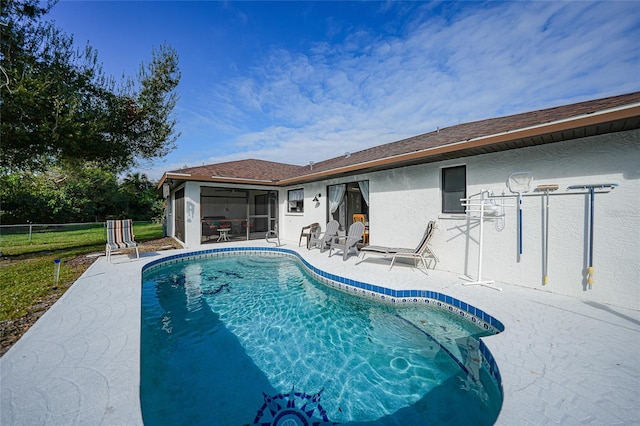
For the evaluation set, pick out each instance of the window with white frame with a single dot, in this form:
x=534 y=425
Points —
x=454 y=188
x=295 y=199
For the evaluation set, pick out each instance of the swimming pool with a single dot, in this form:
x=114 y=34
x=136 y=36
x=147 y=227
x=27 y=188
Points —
x=257 y=339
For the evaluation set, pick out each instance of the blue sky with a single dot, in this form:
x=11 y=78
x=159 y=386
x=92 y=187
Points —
x=297 y=81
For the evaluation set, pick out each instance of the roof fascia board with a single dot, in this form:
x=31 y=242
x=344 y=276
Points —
x=599 y=117
x=171 y=175
x=224 y=179
x=235 y=179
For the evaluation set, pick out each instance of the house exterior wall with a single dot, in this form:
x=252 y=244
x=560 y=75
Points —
x=291 y=223
x=192 y=225
x=169 y=215
x=193 y=209
x=403 y=200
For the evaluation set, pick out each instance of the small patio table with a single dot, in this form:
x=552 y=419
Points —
x=224 y=234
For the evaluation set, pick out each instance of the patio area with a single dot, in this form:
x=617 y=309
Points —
x=563 y=360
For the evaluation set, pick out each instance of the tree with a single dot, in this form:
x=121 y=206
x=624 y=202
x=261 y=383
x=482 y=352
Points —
x=56 y=196
x=58 y=108
x=139 y=194
x=83 y=194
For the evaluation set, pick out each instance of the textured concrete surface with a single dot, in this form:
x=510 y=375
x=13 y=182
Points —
x=563 y=360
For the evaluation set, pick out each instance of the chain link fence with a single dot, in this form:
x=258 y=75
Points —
x=27 y=231
x=49 y=233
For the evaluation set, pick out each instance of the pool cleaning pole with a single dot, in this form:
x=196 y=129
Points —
x=592 y=196
x=545 y=264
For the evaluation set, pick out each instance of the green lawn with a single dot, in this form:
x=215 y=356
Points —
x=76 y=237
x=27 y=272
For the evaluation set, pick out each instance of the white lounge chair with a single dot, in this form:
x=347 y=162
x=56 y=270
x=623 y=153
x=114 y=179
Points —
x=350 y=242
x=422 y=252
x=322 y=240
x=120 y=236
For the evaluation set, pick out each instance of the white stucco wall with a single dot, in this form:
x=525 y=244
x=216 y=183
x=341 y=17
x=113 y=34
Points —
x=291 y=223
x=403 y=200
x=192 y=224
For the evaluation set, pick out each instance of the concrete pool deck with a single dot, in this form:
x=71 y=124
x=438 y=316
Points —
x=563 y=360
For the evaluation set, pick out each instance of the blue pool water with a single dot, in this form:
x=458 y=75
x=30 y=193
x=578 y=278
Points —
x=245 y=340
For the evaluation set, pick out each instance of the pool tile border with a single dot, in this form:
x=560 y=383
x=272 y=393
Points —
x=372 y=291
x=359 y=288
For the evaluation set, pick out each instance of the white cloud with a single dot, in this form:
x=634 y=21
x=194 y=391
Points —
x=478 y=62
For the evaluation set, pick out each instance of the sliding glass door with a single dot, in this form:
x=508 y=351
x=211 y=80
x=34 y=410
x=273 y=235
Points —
x=348 y=199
